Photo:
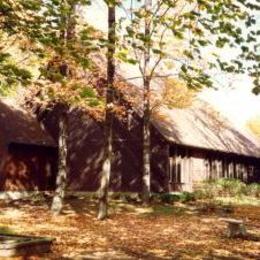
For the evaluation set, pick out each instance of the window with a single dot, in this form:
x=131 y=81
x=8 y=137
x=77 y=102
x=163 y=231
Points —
x=175 y=170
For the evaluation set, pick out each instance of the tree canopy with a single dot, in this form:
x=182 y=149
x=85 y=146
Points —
x=190 y=39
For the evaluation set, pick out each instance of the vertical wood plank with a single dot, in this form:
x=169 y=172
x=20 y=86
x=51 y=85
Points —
x=184 y=173
x=225 y=168
x=210 y=167
x=168 y=169
x=234 y=170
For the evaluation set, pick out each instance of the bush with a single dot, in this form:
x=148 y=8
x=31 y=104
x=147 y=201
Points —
x=230 y=187
x=253 y=190
x=169 y=198
x=125 y=196
x=186 y=197
x=226 y=188
x=205 y=191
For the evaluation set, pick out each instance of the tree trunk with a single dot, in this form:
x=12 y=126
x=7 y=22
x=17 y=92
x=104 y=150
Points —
x=68 y=22
x=61 y=180
x=147 y=115
x=146 y=146
x=106 y=169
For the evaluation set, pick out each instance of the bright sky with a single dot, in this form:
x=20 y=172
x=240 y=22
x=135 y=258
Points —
x=233 y=98
x=237 y=103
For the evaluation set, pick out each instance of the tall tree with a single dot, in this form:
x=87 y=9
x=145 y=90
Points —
x=62 y=70
x=108 y=150
x=52 y=33
x=181 y=33
x=67 y=33
x=146 y=107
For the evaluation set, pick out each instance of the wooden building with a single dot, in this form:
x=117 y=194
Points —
x=188 y=146
x=28 y=153
x=202 y=144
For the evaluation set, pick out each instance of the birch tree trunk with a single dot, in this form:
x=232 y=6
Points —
x=106 y=169
x=61 y=181
x=67 y=33
x=147 y=115
x=146 y=146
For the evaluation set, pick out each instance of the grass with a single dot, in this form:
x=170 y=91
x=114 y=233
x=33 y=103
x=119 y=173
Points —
x=6 y=230
x=239 y=200
x=166 y=210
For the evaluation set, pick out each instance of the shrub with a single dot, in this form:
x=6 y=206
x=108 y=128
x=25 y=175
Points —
x=226 y=187
x=253 y=190
x=187 y=196
x=230 y=187
x=125 y=196
x=169 y=198
x=205 y=191
x=182 y=197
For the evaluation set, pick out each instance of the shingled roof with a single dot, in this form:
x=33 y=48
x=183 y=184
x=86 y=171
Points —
x=201 y=126
x=18 y=126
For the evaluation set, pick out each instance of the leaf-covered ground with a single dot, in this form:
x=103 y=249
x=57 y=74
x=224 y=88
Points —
x=134 y=232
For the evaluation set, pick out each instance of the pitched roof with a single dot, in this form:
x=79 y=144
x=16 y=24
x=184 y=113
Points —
x=18 y=126
x=203 y=127
x=199 y=125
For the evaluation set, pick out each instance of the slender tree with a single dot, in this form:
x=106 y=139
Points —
x=67 y=13
x=67 y=33
x=61 y=180
x=55 y=35
x=146 y=108
x=179 y=33
x=50 y=31
x=108 y=150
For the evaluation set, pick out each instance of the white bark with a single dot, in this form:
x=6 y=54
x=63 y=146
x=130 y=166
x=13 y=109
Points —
x=106 y=169
x=147 y=114
x=61 y=180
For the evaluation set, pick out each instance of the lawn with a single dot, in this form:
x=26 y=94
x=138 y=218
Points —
x=181 y=231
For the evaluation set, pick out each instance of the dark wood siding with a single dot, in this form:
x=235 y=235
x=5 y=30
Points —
x=85 y=151
x=159 y=163
x=85 y=147
x=127 y=163
x=28 y=167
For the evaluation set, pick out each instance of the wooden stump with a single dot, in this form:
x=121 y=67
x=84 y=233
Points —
x=236 y=228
